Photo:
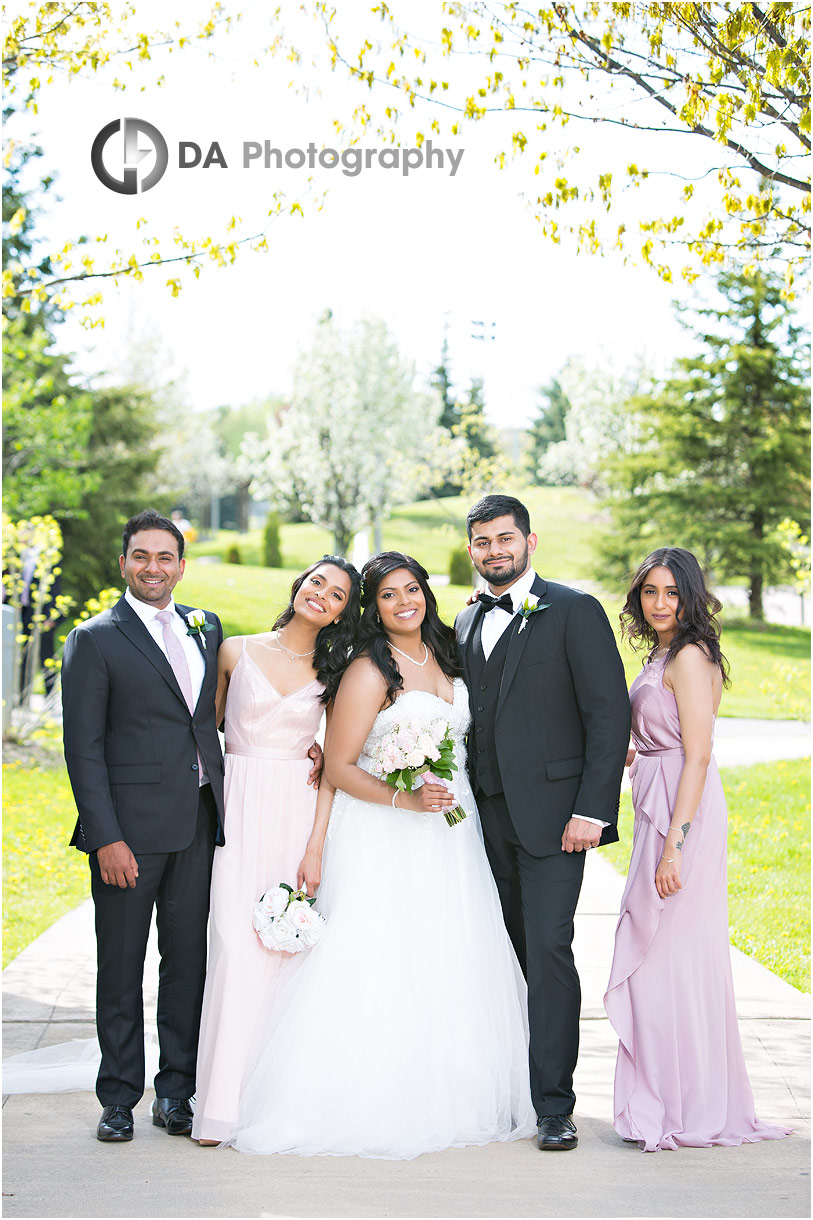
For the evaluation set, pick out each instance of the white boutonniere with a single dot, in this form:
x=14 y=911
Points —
x=196 y=625
x=529 y=607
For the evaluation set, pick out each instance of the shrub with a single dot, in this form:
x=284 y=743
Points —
x=272 y=555
x=461 y=570
x=233 y=555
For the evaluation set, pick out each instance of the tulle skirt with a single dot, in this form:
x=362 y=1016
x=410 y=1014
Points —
x=405 y=1029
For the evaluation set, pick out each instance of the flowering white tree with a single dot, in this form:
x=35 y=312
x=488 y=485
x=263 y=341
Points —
x=192 y=468
x=597 y=423
x=357 y=437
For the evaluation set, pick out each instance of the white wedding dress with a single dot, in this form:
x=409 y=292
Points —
x=404 y=1030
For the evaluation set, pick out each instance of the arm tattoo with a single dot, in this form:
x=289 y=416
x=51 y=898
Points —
x=685 y=828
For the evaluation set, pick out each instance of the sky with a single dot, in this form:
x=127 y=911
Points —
x=430 y=252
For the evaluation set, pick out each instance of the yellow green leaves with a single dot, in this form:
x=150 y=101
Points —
x=17 y=221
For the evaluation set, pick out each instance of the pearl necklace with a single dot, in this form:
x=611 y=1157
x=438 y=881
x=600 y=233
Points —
x=292 y=656
x=420 y=664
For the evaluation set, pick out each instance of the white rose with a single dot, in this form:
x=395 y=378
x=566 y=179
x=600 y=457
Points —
x=310 y=935
x=300 y=915
x=407 y=740
x=391 y=761
x=259 y=920
x=415 y=758
x=284 y=935
x=274 y=901
x=196 y=618
x=307 y=921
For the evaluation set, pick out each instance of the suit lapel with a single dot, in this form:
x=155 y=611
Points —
x=467 y=634
x=132 y=627
x=517 y=643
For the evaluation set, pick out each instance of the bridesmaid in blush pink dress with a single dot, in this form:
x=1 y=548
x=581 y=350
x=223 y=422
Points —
x=275 y=687
x=680 y=1077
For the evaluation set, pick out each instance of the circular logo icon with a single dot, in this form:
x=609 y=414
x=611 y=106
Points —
x=135 y=132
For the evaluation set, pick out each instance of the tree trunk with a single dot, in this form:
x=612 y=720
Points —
x=756 y=576
x=242 y=508
x=755 y=591
x=378 y=545
x=341 y=538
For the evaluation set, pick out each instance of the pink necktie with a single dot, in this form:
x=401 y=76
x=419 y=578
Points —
x=180 y=668
x=175 y=653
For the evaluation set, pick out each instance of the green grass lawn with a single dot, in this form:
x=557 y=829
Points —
x=768 y=863
x=770 y=665
x=768 y=859
x=567 y=521
x=43 y=877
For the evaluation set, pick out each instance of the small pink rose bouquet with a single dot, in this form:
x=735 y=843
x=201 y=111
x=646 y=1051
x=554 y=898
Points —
x=284 y=919
x=410 y=750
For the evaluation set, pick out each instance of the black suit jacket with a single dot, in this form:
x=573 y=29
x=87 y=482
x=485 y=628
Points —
x=562 y=723
x=131 y=743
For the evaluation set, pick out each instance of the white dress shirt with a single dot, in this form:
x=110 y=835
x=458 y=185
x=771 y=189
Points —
x=497 y=620
x=194 y=656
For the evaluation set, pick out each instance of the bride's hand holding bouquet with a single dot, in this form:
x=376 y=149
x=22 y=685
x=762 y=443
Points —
x=412 y=750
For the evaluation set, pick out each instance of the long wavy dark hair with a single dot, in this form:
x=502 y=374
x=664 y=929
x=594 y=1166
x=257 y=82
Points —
x=372 y=638
x=336 y=641
x=696 y=614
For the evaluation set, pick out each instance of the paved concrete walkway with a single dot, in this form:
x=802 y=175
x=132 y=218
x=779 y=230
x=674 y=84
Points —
x=53 y=1165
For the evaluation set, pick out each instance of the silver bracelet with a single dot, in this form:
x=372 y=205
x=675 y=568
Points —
x=395 y=793
x=669 y=859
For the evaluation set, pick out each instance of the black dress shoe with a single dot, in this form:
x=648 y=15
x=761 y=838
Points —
x=556 y=1133
x=116 y=1124
x=174 y=1113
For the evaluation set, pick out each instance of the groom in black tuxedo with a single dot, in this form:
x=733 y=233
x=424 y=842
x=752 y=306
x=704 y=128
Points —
x=547 y=745
x=145 y=765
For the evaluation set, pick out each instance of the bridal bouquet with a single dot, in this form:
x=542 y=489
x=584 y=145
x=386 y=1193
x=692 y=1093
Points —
x=410 y=750
x=284 y=919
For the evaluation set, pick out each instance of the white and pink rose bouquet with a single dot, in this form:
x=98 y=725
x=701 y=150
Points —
x=284 y=919
x=409 y=750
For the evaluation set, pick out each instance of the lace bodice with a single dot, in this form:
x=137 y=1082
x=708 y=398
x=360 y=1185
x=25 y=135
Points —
x=420 y=704
x=417 y=706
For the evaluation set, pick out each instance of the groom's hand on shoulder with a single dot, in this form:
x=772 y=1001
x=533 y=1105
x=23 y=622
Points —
x=117 y=865
x=318 y=759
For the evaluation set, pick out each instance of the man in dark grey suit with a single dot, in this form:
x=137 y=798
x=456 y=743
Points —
x=547 y=745
x=145 y=765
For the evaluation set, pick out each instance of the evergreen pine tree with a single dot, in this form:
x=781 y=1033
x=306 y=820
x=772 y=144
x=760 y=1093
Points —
x=723 y=451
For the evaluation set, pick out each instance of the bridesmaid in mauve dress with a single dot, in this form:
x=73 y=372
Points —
x=680 y=1078
x=275 y=686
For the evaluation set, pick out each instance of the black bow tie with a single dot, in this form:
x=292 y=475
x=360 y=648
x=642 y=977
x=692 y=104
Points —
x=494 y=603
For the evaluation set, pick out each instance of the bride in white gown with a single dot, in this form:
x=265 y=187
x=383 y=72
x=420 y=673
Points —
x=404 y=1030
